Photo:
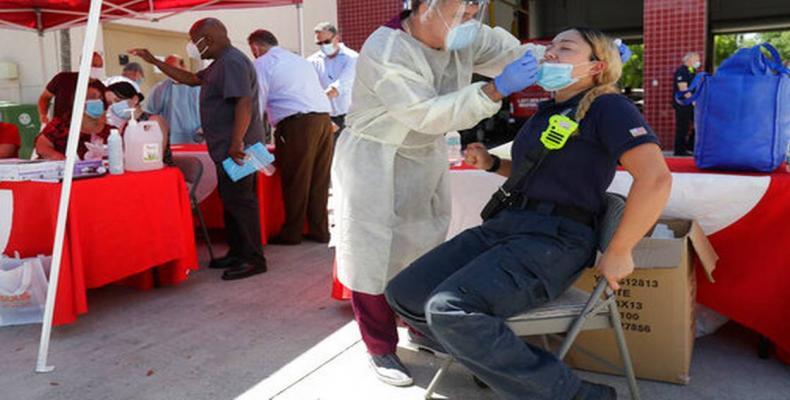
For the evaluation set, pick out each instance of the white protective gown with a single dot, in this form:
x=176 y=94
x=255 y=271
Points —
x=389 y=174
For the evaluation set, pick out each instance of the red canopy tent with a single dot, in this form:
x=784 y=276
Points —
x=43 y=15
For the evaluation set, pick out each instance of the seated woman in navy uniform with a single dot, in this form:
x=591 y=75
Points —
x=461 y=293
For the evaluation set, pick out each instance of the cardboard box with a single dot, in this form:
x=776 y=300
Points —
x=656 y=305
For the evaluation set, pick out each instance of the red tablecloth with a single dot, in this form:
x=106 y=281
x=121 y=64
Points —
x=753 y=272
x=270 y=199
x=119 y=229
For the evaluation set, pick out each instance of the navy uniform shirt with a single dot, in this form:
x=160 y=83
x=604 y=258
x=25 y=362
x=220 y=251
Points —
x=579 y=174
x=683 y=74
x=229 y=77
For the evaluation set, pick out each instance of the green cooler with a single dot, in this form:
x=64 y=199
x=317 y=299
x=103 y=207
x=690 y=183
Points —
x=25 y=117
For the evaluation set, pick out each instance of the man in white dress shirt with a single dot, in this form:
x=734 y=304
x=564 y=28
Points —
x=299 y=109
x=335 y=64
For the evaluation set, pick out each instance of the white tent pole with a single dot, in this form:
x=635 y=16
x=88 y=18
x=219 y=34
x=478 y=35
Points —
x=300 y=26
x=40 y=29
x=71 y=154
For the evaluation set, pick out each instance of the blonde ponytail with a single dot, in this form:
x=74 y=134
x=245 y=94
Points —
x=603 y=49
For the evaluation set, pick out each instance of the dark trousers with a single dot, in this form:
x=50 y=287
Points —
x=461 y=293
x=242 y=216
x=304 y=158
x=376 y=322
x=684 y=121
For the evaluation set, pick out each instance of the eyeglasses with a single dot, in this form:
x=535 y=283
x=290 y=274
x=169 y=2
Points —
x=328 y=41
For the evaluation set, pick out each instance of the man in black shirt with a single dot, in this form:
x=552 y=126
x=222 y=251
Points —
x=684 y=115
x=230 y=117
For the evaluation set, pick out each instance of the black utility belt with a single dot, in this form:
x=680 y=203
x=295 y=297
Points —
x=302 y=115
x=577 y=214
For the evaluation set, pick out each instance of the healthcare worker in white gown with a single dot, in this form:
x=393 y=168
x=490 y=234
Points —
x=389 y=174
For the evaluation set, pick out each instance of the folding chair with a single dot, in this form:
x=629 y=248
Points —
x=574 y=311
x=192 y=169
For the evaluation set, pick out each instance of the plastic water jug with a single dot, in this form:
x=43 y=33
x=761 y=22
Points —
x=143 y=146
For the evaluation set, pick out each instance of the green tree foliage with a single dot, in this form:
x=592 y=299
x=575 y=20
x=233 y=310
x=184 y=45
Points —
x=780 y=40
x=632 y=70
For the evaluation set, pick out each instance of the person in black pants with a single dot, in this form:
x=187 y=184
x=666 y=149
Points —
x=684 y=115
x=231 y=119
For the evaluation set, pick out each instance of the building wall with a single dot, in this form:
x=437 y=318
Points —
x=357 y=19
x=22 y=47
x=671 y=29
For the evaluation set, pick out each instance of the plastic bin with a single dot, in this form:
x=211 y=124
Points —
x=25 y=117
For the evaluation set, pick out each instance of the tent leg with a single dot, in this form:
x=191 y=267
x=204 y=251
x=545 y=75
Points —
x=71 y=154
x=300 y=26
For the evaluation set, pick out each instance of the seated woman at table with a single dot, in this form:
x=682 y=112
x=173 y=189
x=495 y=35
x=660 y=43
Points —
x=461 y=293
x=9 y=140
x=51 y=142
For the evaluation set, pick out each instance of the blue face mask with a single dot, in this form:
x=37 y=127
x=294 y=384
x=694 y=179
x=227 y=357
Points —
x=119 y=110
x=328 y=49
x=94 y=108
x=461 y=36
x=553 y=77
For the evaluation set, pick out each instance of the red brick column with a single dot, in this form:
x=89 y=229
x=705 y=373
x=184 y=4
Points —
x=357 y=19
x=671 y=29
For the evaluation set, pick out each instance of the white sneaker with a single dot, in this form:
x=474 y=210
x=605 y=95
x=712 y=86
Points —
x=390 y=370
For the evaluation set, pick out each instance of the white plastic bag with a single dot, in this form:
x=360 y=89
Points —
x=23 y=289
x=707 y=321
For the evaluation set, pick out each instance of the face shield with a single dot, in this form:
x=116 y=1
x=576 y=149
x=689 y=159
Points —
x=461 y=18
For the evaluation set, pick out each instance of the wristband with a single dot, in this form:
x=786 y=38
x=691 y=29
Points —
x=497 y=163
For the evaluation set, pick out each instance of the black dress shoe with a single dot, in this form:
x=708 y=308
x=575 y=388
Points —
x=244 y=270
x=282 y=241
x=317 y=238
x=595 y=391
x=224 y=262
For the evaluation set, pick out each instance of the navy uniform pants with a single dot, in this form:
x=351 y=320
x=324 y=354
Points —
x=461 y=293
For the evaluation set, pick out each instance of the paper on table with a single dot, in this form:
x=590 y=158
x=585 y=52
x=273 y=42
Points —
x=257 y=158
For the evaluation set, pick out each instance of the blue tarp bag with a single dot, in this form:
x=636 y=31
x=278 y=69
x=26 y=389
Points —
x=742 y=113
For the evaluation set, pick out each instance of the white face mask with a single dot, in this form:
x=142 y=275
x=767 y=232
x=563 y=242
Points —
x=97 y=73
x=193 y=51
x=328 y=49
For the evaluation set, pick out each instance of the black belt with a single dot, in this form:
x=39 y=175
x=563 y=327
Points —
x=301 y=115
x=577 y=214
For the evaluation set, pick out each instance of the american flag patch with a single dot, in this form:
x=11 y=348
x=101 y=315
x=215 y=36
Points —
x=638 y=131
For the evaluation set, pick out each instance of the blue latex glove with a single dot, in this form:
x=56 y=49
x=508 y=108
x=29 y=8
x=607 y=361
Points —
x=625 y=52
x=517 y=75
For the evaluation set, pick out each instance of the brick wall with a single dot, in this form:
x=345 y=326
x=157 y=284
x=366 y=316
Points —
x=671 y=29
x=357 y=19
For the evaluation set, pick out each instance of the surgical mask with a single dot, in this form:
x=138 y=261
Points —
x=120 y=108
x=193 y=51
x=697 y=64
x=461 y=36
x=328 y=49
x=97 y=73
x=556 y=76
x=553 y=77
x=94 y=108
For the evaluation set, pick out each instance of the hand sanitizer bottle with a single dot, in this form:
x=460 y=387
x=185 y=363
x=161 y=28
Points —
x=115 y=152
x=454 y=154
